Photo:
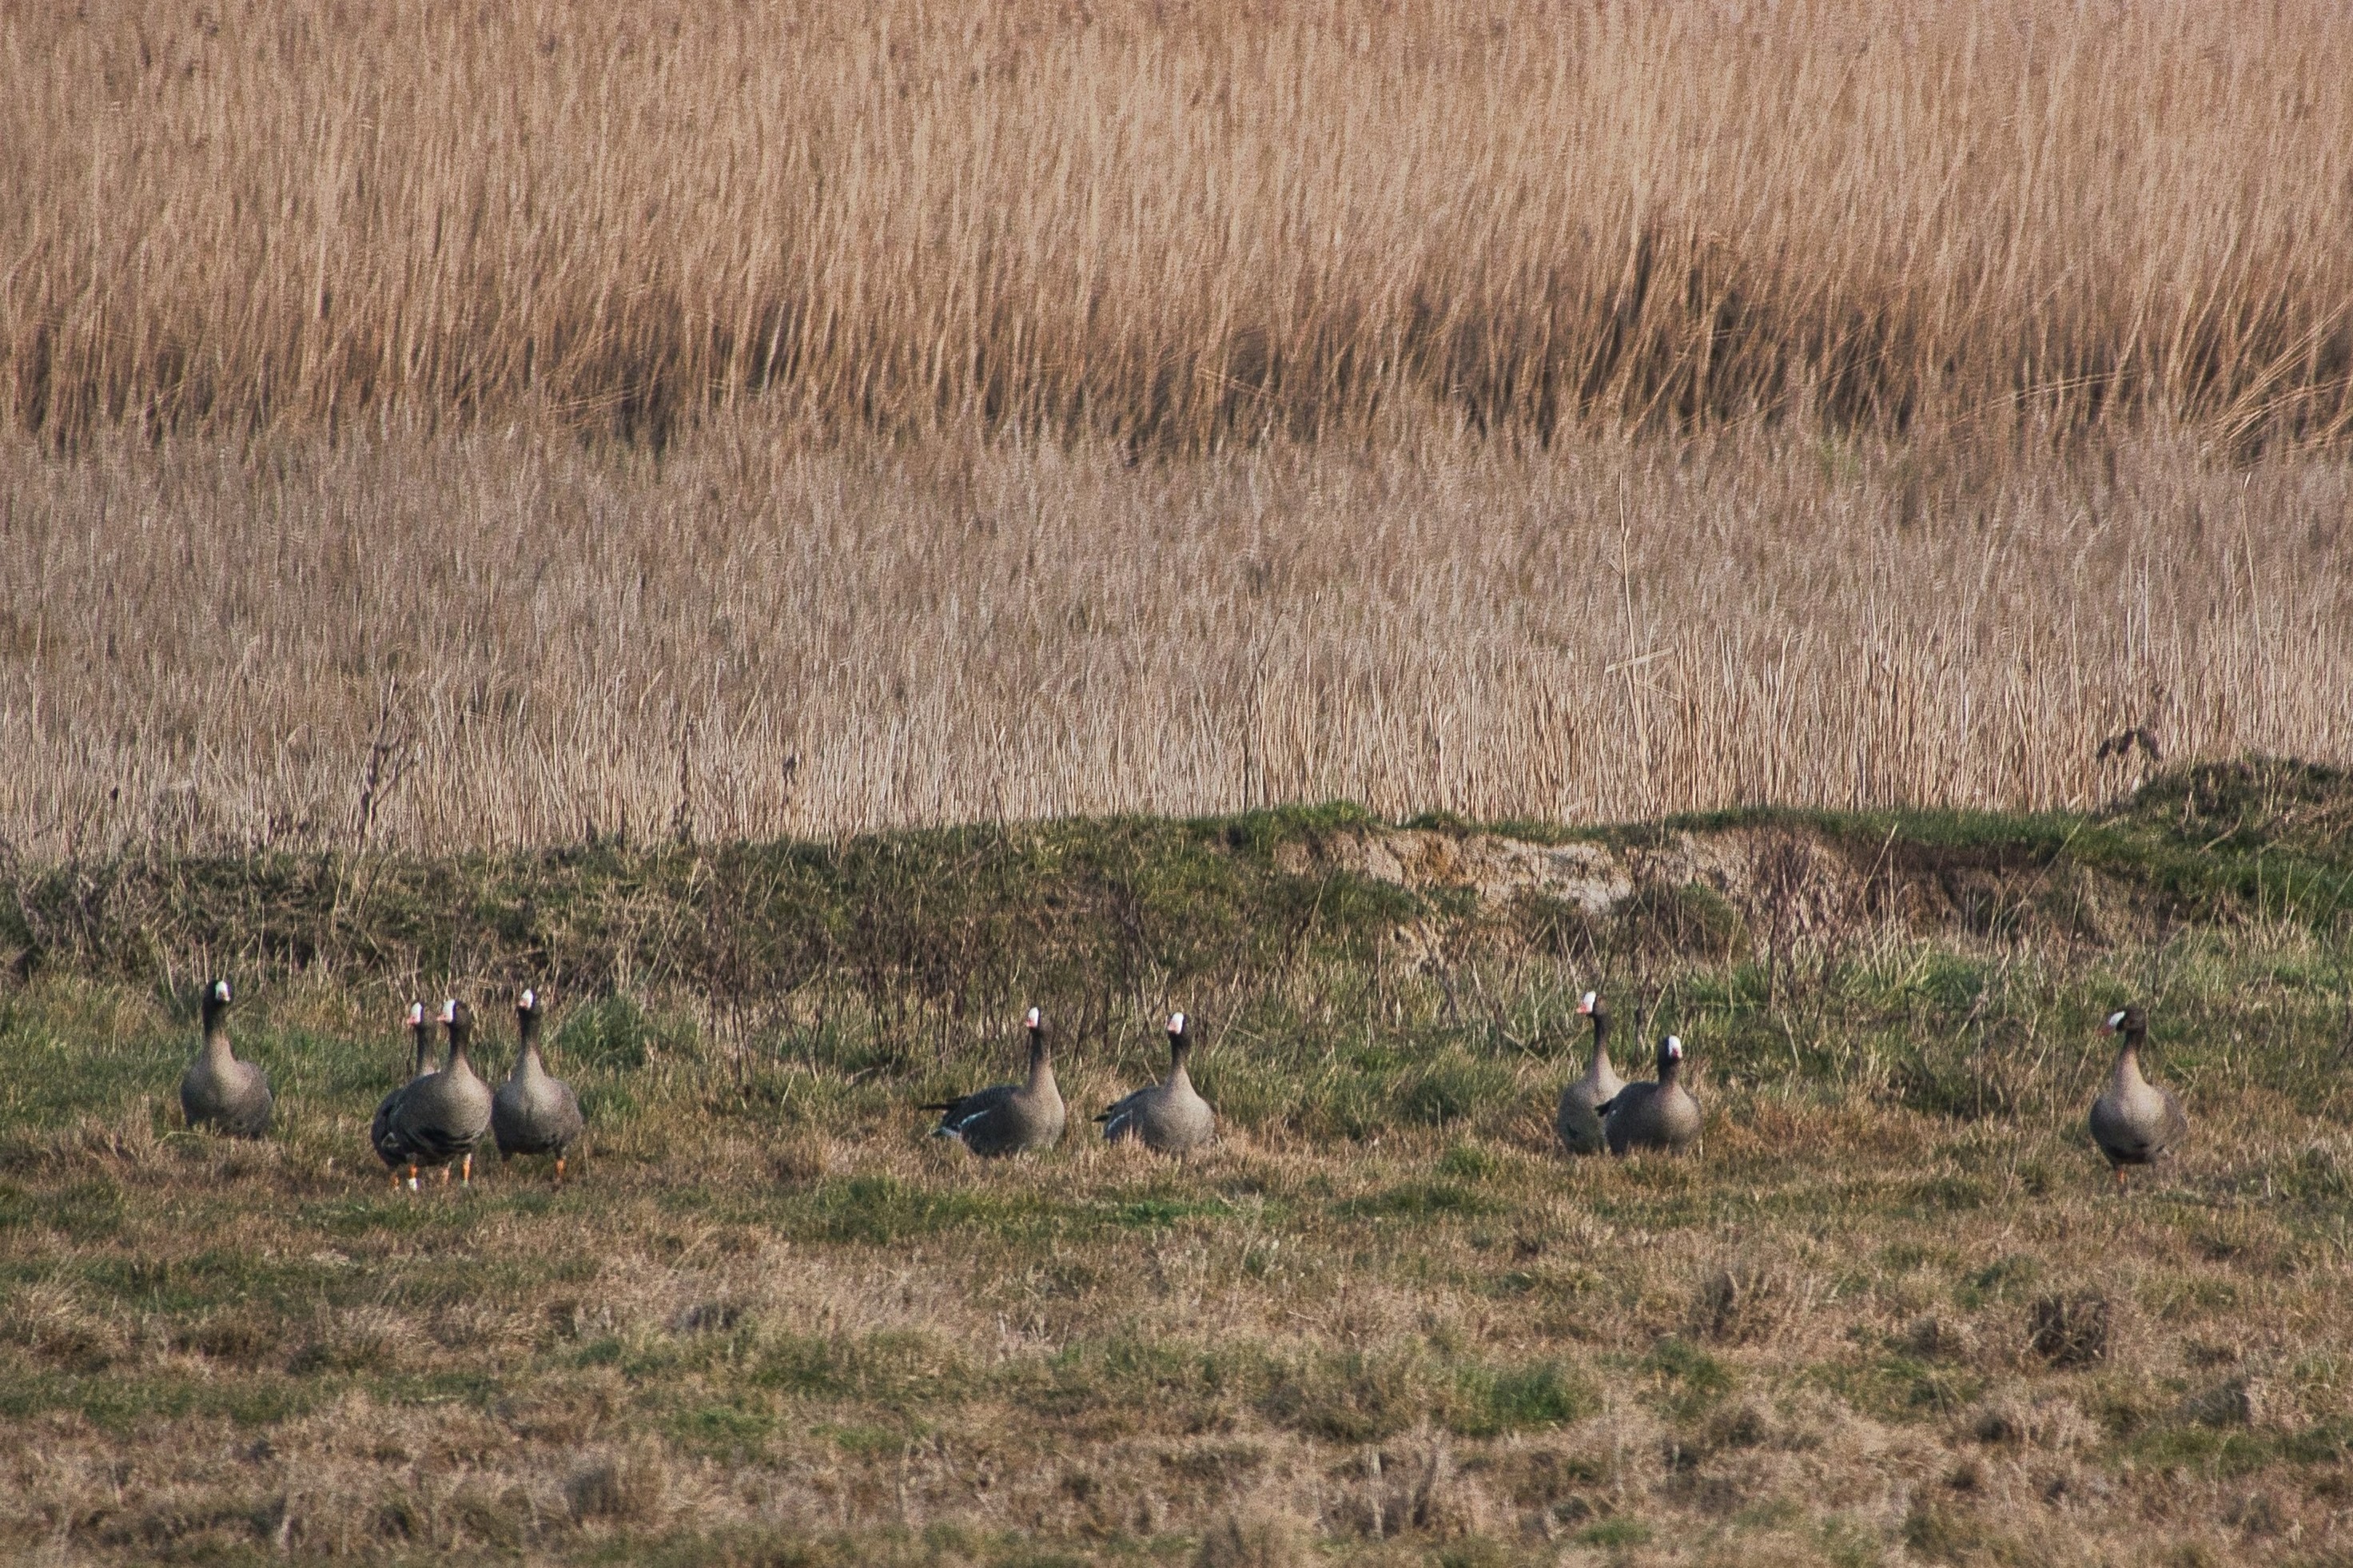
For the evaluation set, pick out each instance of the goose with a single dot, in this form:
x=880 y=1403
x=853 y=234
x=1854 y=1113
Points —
x=445 y=1114
x=1006 y=1119
x=1577 y=1121
x=218 y=1090
x=1168 y=1116
x=391 y=1145
x=2134 y=1122
x=1660 y=1115
x=534 y=1112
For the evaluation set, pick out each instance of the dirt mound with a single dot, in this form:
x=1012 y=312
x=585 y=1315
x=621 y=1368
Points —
x=1758 y=882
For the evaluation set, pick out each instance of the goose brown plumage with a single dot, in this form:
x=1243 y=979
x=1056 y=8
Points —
x=385 y=1133
x=1657 y=1115
x=1169 y=1116
x=445 y=1115
x=218 y=1090
x=1577 y=1121
x=1006 y=1118
x=534 y=1112
x=2133 y=1121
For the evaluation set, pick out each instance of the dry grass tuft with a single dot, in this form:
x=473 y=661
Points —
x=1255 y=1538
x=1744 y=1303
x=630 y=1487
x=2070 y=1331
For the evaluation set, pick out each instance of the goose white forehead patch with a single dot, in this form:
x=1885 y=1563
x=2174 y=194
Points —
x=220 y=990
x=1176 y=1023
x=450 y=1011
x=1674 y=1048
x=1034 y=1018
x=2116 y=1020
x=417 y=1012
x=1585 y=1002
x=529 y=1000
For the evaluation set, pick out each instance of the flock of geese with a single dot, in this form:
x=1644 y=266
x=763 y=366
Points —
x=439 y=1117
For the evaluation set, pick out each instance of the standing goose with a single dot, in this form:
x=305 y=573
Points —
x=444 y=1115
x=1578 y=1121
x=2134 y=1122
x=391 y=1145
x=218 y=1090
x=533 y=1111
x=1168 y=1116
x=1006 y=1119
x=1660 y=1115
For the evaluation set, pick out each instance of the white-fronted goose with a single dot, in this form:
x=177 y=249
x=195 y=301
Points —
x=1006 y=1119
x=445 y=1114
x=218 y=1090
x=385 y=1135
x=533 y=1111
x=2134 y=1122
x=1577 y=1121
x=1169 y=1116
x=1660 y=1115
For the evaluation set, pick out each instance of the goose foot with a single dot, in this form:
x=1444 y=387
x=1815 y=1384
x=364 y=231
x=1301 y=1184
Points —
x=466 y=1178
x=559 y=1170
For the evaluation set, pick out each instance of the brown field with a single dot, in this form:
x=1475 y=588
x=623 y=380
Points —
x=1891 y=1314
x=506 y=495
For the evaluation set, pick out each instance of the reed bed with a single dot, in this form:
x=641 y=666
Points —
x=1173 y=226
x=509 y=639
x=430 y=429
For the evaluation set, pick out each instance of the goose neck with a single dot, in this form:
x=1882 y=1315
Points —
x=2128 y=1061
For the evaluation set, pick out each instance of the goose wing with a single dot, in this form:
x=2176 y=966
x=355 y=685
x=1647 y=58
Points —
x=957 y=1114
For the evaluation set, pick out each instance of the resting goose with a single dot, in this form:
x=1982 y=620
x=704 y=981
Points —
x=445 y=1114
x=1167 y=1116
x=534 y=1112
x=2134 y=1122
x=1578 y=1121
x=1006 y=1119
x=218 y=1090
x=1660 y=1115
x=392 y=1146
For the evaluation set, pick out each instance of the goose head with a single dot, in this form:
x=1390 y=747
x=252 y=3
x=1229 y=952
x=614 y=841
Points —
x=2129 y=1021
x=217 y=1000
x=1670 y=1056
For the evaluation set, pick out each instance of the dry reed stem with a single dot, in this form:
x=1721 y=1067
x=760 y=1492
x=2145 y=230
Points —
x=509 y=639
x=1168 y=224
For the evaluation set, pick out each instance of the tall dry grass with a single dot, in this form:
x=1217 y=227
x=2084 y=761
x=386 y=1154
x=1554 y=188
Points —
x=1167 y=224
x=510 y=638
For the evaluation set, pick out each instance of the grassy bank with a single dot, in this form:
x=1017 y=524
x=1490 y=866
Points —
x=1893 y=1313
